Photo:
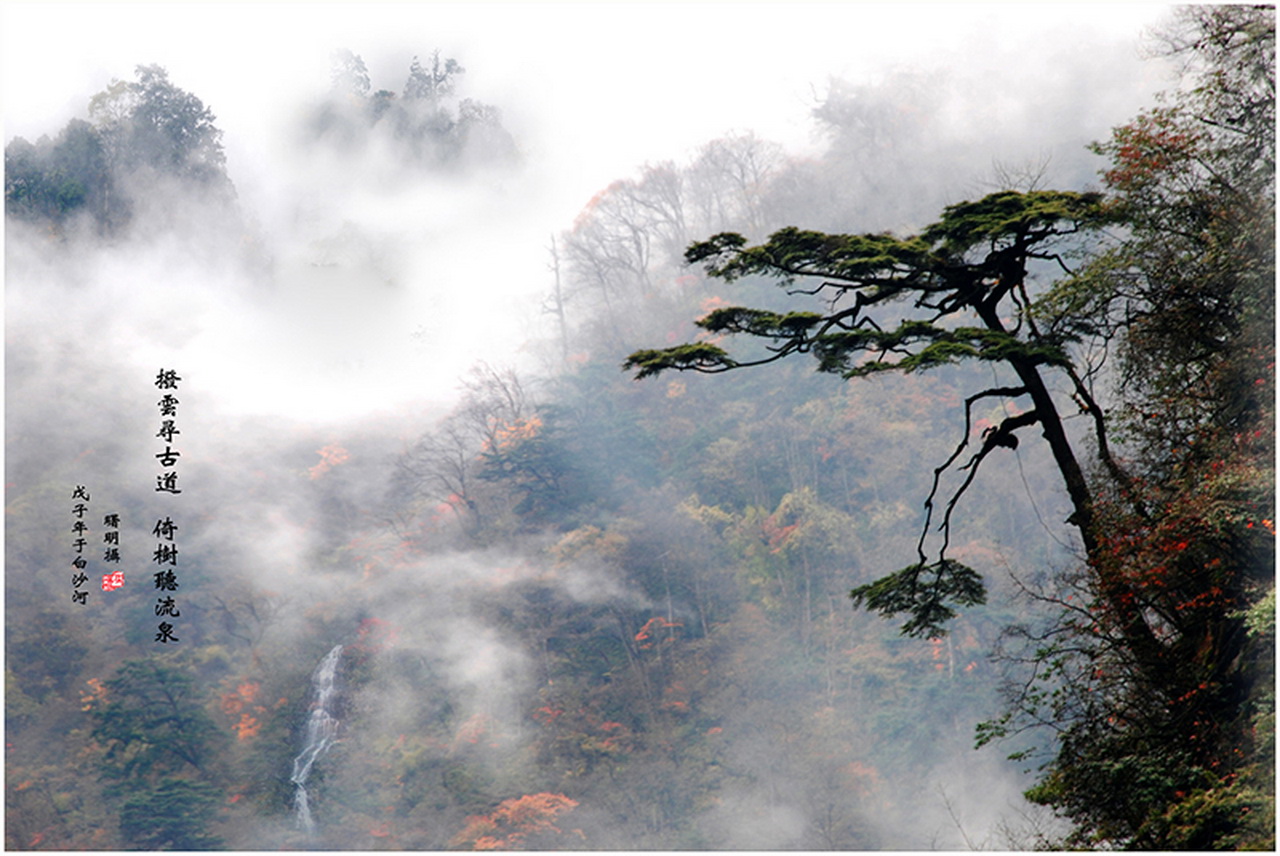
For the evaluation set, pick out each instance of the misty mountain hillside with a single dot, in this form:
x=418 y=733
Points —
x=450 y=444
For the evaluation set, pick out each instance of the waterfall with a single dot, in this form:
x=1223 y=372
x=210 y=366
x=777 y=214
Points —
x=322 y=730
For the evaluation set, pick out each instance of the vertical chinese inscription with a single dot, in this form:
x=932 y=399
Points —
x=111 y=551
x=165 y=530
x=79 y=508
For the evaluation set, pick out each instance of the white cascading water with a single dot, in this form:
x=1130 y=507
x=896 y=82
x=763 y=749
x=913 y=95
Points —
x=322 y=730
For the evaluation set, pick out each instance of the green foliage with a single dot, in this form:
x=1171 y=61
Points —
x=840 y=352
x=172 y=815
x=793 y=252
x=153 y=721
x=56 y=179
x=875 y=269
x=530 y=457
x=1234 y=816
x=757 y=322
x=42 y=653
x=151 y=123
x=791 y=557
x=140 y=130
x=923 y=592
x=1009 y=217
x=716 y=245
x=1260 y=619
x=700 y=356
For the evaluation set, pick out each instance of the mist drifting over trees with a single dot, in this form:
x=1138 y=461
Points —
x=443 y=575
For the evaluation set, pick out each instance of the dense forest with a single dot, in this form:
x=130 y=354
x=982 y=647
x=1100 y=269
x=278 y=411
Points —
x=997 y=575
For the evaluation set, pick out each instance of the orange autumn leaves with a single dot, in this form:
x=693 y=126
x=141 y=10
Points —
x=652 y=629
x=331 y=456
x=513 y=824
x=98 y=694
x=237 y=704
x=508 y=435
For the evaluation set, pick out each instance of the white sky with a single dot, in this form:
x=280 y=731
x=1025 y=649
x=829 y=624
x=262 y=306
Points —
x=590 y=91
x=612 y=84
